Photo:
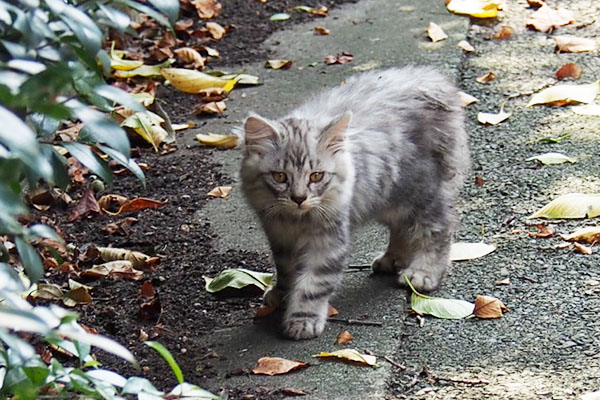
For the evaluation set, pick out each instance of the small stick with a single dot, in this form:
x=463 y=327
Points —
x=386 y=358
x=527 y=279
x=355 y=321
x=435 y=378
x=355 y=266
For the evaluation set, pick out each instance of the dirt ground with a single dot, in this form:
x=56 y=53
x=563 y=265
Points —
x=176 y=234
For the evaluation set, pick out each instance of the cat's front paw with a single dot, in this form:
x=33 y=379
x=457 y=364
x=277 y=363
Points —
x=384 y=264
x=422 y=280
x=272 y=297
x=303 y=327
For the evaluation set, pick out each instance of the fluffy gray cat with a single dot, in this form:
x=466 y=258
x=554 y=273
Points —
x=388 y=146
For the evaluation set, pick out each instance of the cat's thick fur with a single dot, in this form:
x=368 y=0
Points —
x=388 y=146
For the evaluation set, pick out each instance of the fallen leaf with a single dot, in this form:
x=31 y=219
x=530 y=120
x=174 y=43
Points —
x=237 y=279
x=110 y=202
x=590 y=235
x=264 y=310
x=488 y=307
x=351 y=355
x=48 y=291
x=475 y=8
x=487 y=78
x=570 y=70
x=279 y=17
x=220 y=191
x=145 y=70
x=342 y=58
x=435 y=32
x=466 y=99
x=148 y=125
x=587 y=109
x=278 y=64
x=212 y=95
x=215 y=30
x=180 y=127
x=183 y=25
x=207 y=9
x=221 y=141
x=319 y=30
x=117 y=62
x=503 y=282
x=572 y=205
x=344 y=337
x=535 y=3
x=574 y=44
x=552 y=159
x=321 y=11
x=546 y=18
x=440 y=307
x=79 y=294
x=561 y=95
x=466 y=46
x=504 y=33
x=582 y=248
x=493 y=119
x=277 y=366
x=86 y=206
x=243 y=79
x=114 y=269
x=479 y=181
x=138 y=259
x=189 y=56
x=331 y=311
x=293 y=392
x=461 y=251
x=545 y=231
x=150 y=310
x=214 y=107
x=137 y=204
x=192 y=81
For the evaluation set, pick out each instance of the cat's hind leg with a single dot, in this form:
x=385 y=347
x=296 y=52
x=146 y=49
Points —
x=397 y=256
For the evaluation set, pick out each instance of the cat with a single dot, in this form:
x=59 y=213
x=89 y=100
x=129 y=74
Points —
x=387 y=145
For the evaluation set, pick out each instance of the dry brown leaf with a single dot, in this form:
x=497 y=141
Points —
x=220 y=141
x=503 y=282
x=277 y=366
x=342 y=58
x=71 y=132
x=136 y=258
x=86 y=206
x=214 y=107
x=466 y=99
x=293 y=392
x=278 y=64
x=139 y=203
x=321 y=11
x=493 y=119
x=435 y=32
x=570 y=70
x=331 y=311
x=545 y=19
x=215 y=30
x=350 y=355
x=466 y=46
x=264 y=311
x=583 y=249
x=344 y=337
x=111 y=202
x=535 y=3
x=487 y=78
x=479 y=181
x=114 y=269
x=574 y=44
x=220 y=191
x=589 y=234
x=184 y=24
x=561 y=95
x=190 y=56
x=150 y=310
x=319 y=30
x=207 y=9
x=489 y=307
x=504 y=33
x=545 y=231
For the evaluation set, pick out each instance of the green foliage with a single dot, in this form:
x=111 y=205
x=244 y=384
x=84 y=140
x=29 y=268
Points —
x=52 y=73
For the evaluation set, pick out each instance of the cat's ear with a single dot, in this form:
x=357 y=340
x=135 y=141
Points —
x=258 y=133
x=334 y=135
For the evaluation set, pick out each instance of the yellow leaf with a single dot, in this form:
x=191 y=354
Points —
x=461 y=251
x=435 y=32
x=350 y=355
x=278 y=64
x=180 y=127
x=192 y=81
x=475 y=8
x=220 y=191
x=566 y=94
x=147 y=125
x=572 y=205
x=117 y=62
x=145 y=70
x=221 y=141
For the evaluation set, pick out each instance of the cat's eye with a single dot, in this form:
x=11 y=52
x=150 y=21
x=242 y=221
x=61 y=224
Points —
x=279 y=177
x=316 y=177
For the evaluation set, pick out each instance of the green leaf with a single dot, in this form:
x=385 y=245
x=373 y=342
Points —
x=128 y=163
x=37 y=375
x=572 y=205
x=147 y=10
x=83 y=153
x=43 y=124
x=19 y=138
x=119 y=96
x=20 y=320
x=441 y=308
x=118 y=19
x=31 y=259
x=102 y=342
x=186 y=390
x=9 y=279
x=168 y=7
x=136 y=385
x=107 y=376
x=279 y=17
x=10 y=199
x=552 y=159
x=44 y=231
x=168 y=357
x=239 y=278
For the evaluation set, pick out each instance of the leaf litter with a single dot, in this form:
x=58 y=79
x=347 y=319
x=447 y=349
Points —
x=350 y=355
x=568 y=206
x=277 y=366
x=435 y=32
x=561 y=95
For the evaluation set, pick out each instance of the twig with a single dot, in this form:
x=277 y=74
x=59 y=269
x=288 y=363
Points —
x=435 y=378
x=360 y=267
x=386 y=358
x=527 y=279
x=355 y=321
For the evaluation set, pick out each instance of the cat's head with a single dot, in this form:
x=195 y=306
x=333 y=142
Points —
x=296 y=168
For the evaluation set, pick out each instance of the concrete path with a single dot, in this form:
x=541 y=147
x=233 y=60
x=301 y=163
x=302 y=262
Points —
x=548 y=345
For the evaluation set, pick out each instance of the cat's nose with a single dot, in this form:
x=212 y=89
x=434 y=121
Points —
x=298 y=199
